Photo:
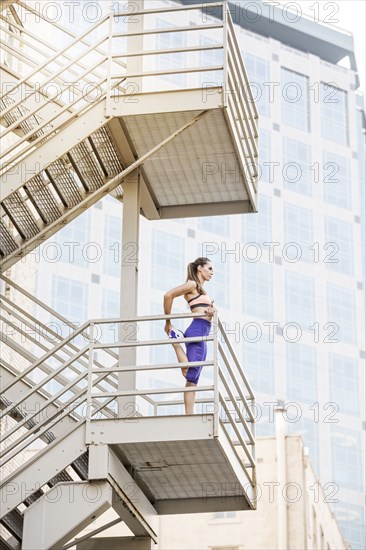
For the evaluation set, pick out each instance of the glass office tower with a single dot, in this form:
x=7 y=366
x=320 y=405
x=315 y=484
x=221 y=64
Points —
x=289 y=281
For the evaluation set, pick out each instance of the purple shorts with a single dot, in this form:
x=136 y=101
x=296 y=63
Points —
x=196 y=351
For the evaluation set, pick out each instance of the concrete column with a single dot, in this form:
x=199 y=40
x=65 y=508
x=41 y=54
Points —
x=129 y=291
x=281 y=478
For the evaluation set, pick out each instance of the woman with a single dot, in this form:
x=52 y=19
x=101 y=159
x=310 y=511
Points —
x=198 y=272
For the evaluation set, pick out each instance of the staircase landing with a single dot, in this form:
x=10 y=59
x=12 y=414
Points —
x=181 y=466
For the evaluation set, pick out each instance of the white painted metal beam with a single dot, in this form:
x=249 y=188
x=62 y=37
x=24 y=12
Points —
x=6 y=3
x=34 y=473
x=63 y=512
x=117 y=543
x=208 y=209
x=172 y=101
x=129 y=289
x=133 y=507
x=215 y=501
x=150 y=429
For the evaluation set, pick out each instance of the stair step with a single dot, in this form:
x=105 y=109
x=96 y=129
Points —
x=81 y=465
x=14 y=523
x=20 y=215
x=59 y=478
x=8 y=243
x=4 y=545
x=86 y=167
x=64 y=184
x=42 y=199
x=106 y=152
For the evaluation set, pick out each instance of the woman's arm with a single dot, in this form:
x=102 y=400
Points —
x=169 y=296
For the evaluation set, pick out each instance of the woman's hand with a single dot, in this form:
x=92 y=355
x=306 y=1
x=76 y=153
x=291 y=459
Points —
x=168 y=327
x=210 y=311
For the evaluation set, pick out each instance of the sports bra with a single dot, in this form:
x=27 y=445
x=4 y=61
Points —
x=202 y=303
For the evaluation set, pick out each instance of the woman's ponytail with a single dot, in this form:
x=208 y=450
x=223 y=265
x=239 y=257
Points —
x=192 y=273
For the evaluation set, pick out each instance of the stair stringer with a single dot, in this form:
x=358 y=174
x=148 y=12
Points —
x=77 y=503
x=41 y=468
x=75 y=131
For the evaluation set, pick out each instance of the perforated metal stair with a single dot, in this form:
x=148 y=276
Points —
x=32 y=212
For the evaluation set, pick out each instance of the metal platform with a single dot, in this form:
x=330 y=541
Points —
x=197 y=173
x=178 y=461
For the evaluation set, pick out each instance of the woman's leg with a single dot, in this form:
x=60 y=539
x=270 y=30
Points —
x=182 y=357
x=189 y=398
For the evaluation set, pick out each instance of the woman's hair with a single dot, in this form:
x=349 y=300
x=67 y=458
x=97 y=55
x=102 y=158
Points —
x=192 y=274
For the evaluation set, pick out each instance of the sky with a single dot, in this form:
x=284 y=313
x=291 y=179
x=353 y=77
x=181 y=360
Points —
x=349 y=15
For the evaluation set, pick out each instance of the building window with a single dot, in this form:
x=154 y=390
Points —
x=171 y=61
x=296 y=166
x=301 y=372
x=344 y=383
x=346 y=458
x=258 y=73
x=300 y=303
x=72 y=239
x=337 y=180
x=110 y=303
x=295 y=100
x=69 y=298
x=258 y=361
x=265 y=173
x=351 y=519
x=298 y=233
x=258 y=295
x=112 y=246
x=341 y=234
x=257 y=228
x=215 y=224
x=219 y=286
x=168 y=270
x=334 y=114
x=341 y=313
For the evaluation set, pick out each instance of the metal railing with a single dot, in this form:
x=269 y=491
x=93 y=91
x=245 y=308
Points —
x=74 y=74
x=211 y=58
x=227 y=68
x=92 y=388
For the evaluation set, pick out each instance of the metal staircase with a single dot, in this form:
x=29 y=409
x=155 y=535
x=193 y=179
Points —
x=70 y=148
x=63 y=153
x=62 y=426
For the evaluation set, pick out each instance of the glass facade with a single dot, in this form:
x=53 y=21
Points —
x=296 y=166
x=337 y=180
x=298 y=231
x=301 y=372
x=344 y=383
x=334 y=113
x=299 y=299
x=341 y=311
x=295 y=100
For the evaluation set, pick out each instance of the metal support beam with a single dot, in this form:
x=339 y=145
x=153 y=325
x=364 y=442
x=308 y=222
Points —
x=128 y=291
x=117 y=543
x=78 y=503
x=132 y=505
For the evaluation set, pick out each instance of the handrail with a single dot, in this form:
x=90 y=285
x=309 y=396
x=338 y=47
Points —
x=53 y=58
x=219 y=393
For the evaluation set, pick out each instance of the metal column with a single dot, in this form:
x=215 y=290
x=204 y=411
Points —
x=130 y=238
x=128 y=293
